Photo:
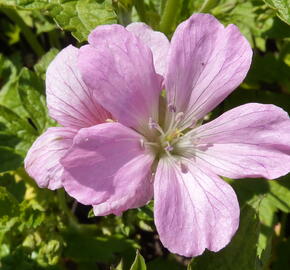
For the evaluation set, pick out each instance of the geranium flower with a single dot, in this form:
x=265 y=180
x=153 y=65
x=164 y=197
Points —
x=124 y=142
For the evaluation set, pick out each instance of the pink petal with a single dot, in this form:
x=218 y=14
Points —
x=99 y=167
x=69 y=101
x=133 y=189
x=156 y=41
x=119 y=68
x=206 y=63
x=193 y=209
x=251 y=140
x=42 y=159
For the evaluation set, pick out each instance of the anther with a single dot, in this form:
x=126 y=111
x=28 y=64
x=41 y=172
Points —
x=183 y=167
x=168 y=148
x=152 y=123
x=109 y=120
x=193 y=123
x=172 y=108
x=179 y=116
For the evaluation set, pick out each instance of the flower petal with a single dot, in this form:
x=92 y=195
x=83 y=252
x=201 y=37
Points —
x=206 y=63
x=193 y=210
x=134 y=188
x=119 y=68
x=99 y=166
x=251 y=140
x=156 y=41
x=69 y=100
x=42 y=160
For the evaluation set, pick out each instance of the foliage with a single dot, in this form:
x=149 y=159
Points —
x=43 y=229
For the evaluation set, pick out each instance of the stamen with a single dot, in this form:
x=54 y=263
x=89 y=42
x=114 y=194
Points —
x=183 y=167
x=142 y=143
x=154 y=125
x=168 y=148
x=174 y=122
x=179 y=117
x=109 y=120
x=172 y=108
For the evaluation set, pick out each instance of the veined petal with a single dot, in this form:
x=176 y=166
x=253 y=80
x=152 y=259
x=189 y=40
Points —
x=42 y=161
x=119 y=68
x=251 y=140
x=156 y=41
x=134 y=188
x=206 y=63
x=99 y=167
x=193 y=209
x=69 y=100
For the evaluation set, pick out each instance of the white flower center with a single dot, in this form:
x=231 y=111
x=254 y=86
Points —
x=170 y=140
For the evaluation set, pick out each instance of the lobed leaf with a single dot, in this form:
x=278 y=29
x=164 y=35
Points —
x=77 y=16
x=282 y=8
x=139 y=262
x=31 y=90
x=80 y=17
x=240 y=253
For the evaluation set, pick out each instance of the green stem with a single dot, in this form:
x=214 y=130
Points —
x=140 y=8
x=124 y=15
x=20 y=172
x=63 y=205
x=207 y=6
x=169 y=15
x=25 y=30
x=162 y=6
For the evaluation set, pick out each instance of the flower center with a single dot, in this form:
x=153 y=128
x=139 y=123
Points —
x=166 y=138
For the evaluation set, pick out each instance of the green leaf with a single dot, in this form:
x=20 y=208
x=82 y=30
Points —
x=31 y=89
x=82 y=16
x=8 y=140
x=9 y=159
x=9 y=211
x=27 y=4
x=267 y=215
x=84 y=247
x=147 y=11
x=168 y=263
x=50 y=252
x=9 y=96
x=139 y=262
x=15 y=187
x=279 y=194
x=282 y=8
x=14 y=124
x=8 y=204
x=91 y=213
x=41 y=66
x=241 y=253
x=18 y=134
x=120 y=266
x=77 y=16
x=276 y=195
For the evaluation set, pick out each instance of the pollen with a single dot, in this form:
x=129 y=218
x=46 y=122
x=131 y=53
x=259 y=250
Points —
x=174 y=135
x=109 y=120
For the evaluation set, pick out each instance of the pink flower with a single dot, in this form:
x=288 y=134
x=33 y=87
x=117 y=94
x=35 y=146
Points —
x=154 y=146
